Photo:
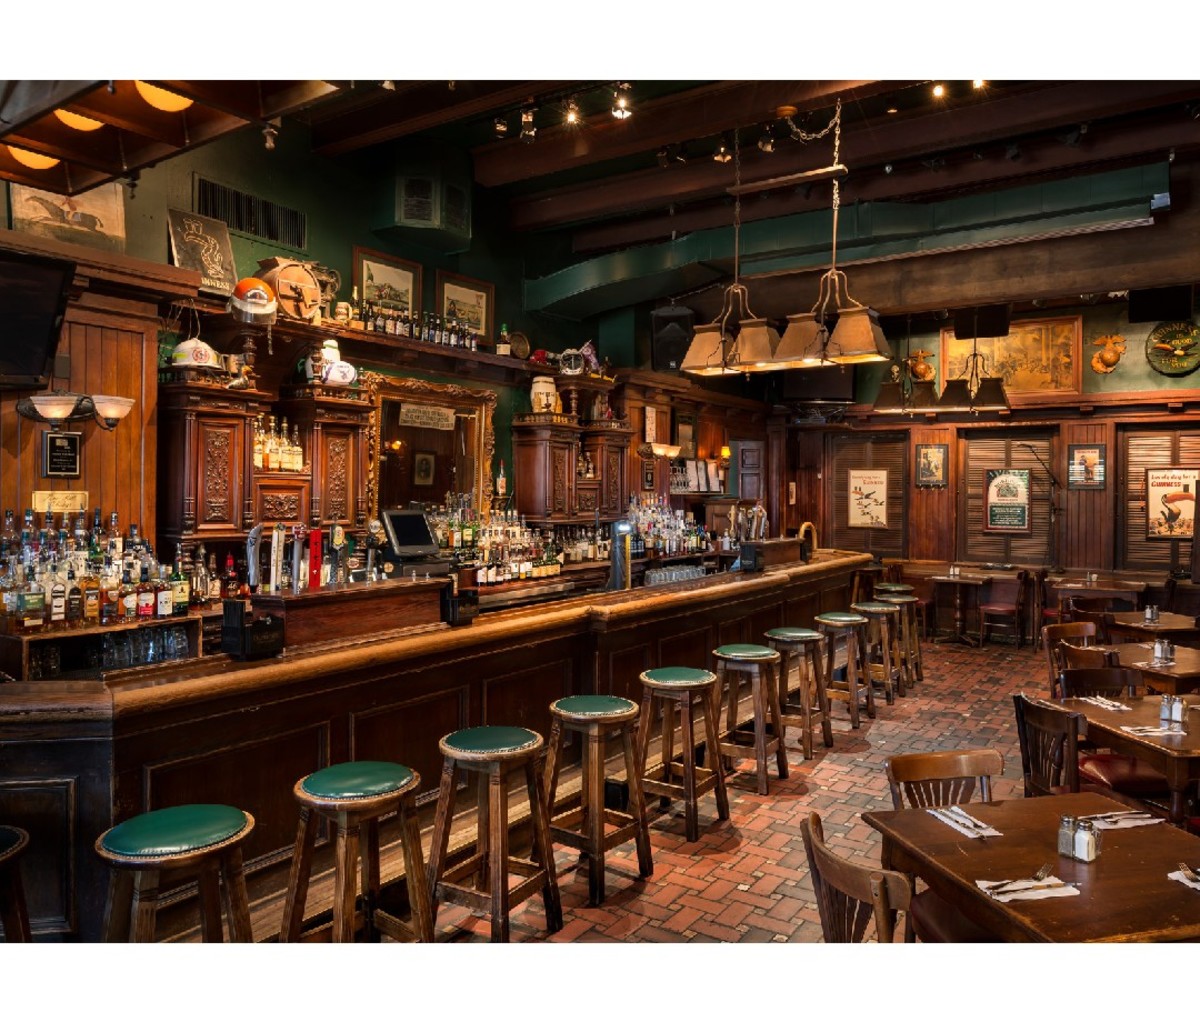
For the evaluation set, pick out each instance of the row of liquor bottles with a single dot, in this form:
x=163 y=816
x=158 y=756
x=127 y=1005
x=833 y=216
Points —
x=274 y=450
x=428 y=327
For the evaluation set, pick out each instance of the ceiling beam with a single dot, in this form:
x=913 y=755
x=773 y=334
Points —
x=254 y=101
x=863 y=143
x=696 y=113
x=25 y=101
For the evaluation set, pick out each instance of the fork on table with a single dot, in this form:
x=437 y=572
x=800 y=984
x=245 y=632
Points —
x=1043 y=872
x=1189 y=874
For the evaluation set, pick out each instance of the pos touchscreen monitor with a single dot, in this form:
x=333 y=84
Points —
x=408 y=534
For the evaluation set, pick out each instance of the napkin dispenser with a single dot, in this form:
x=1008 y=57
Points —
x=246 y=637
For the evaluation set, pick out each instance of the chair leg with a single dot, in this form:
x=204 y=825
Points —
x=540 y=820
x=776 y=714
x=441 y=836
x=118 y=919
x=688 y=740
x=414 y=870
x=345 y=880
x=371 y=881
x=593 y=807
x=708 y=712
x=145 y=905
x=210 y=904
x=497 y=852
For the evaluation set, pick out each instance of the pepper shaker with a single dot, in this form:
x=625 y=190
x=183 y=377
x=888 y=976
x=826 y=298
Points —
x=1066 y=836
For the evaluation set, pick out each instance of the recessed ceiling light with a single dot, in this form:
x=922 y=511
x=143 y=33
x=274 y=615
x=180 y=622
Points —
x=622 y=102
x=978 y=83
x=572 y=115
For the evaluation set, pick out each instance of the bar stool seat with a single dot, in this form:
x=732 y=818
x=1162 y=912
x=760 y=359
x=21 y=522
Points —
x=179 y=837
x=680 y=689
x=14 y=914
x=758 y=664
x=355 y=795
x=835 y=624
x=893 y=589
x=492 y=752
x=910 y=638
x=884 y=619
x=812 y=706
x=598 y=718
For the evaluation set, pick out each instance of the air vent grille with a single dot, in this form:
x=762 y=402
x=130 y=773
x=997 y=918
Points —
x=251 y=214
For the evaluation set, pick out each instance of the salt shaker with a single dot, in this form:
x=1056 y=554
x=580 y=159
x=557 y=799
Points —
x=1164 y=708
x=1158 y=651
x=1087 y=841
x=1149 y=612
x=1066 y=836
x=1176 y=710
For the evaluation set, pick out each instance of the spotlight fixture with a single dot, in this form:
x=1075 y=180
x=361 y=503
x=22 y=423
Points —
x=528 y=128
x=622 y=102
x=722 y=154
x=663 y=156
x=270 y=133
x=978 y=83
x=571 y=117
x=888 y=168
x=161 y=99
x=939 y=91
x=500 y=126
x=766 y=141
x=32 y=160
x=77 y=121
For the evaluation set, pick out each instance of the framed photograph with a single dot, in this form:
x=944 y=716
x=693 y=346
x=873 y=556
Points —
x=468 y=300
x=1085 y=467
x=647 y=473
x=714 y=476
x=201 y=243
x=1006 y=501
x=1171 y=502
x=95 y=217
x=685 y=435
x=868 y=498
x=1039 y=360
x=61 y=454
x=387 y=281
x=931 y=464
x=424 y=463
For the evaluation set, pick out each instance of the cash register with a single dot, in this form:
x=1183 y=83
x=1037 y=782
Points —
x=409 y=546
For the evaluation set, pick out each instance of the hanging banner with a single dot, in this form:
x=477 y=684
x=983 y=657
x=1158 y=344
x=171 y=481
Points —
x=426 y=416
x=1171 y=502
x=867 y=508
x=1006 y=501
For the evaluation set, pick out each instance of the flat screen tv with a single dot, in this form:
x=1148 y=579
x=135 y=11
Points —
x=33 y=300
x=408 y=534
x=825 y=385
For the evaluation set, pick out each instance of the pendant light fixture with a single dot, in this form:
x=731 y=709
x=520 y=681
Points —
x=974 y=391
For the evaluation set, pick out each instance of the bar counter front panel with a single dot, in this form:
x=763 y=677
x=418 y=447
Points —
x=81 y=756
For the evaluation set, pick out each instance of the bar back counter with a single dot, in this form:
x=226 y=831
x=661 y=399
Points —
x=80 y=756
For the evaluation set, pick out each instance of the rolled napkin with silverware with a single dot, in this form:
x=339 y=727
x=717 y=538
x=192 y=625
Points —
x=1027 y=890
x=1192 y=881
x=1151 y=732
x=963 y=822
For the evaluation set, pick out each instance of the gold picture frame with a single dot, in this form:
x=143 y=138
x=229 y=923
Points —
x=1038 y=360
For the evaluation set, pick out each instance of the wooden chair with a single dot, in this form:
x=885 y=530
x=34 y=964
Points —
x=1100 y=618
x=1004 y=607
x=849 y=896
x=1045 y=606
x=1114 y=682
x=1077 y=657
x=943 y=778
x=1049 y=740
x=1051 y=635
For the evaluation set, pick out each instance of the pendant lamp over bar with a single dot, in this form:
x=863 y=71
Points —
x=974 y=392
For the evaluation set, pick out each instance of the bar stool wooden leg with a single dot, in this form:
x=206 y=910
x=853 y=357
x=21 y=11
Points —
x=540 y=820
x=145 y=905
x=298 y=878
x=863 y=669
x=483 y=843
x=667 y=745
x=118 y=920
x=637 y=804
x=209 y=881
x=822 y=693
x=593 y=809
x=776 y=715
x=237 y=901
x=418 y=884
x=713 y=753
x=688 y=738
x=371 y=881
x=441 y=835
x=14 y=913
x=345 y=876
x=851 y=675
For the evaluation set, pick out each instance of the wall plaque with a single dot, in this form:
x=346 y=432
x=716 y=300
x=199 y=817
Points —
x=61 y=454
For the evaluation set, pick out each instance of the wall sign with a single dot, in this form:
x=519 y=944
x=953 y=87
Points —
x=61 y=454
x=427 y=416
x=1171 y=502
x=867 y=507
x=202 y=243
x=1006 y=501
x=1085 y=466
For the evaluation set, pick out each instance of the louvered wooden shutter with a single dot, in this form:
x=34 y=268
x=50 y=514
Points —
x=878 y=451
x=1141 y=450
x=992 y=451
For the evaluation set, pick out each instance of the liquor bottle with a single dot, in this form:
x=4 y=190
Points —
x=128 y=595
x=164 y=597
x=270 y=447
x=116 y=544
x=144 y=595
x=452 y=332
x=181 y=586
x=111 y=610
x=57 y=589
x=214 y=580
x=230 y=586
x=199 y=597
x=297 y=449
x=355 y=305
x=81 y=533
x=74 y=599
x=258 y=443
x=283 y=448
x=501 y=482
x=30 y=603
x=90 y=587
x=380 y=327
x=10 y=541
x=503 y=346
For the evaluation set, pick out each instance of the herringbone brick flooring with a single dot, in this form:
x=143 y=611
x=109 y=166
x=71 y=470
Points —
x=746 y=879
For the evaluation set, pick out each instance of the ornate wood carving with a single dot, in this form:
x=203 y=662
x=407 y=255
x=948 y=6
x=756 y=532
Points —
x=588 y=499
x=282 y=506
x=561 y=463
x=336 y=477
x=216 y=476
x=612 y=481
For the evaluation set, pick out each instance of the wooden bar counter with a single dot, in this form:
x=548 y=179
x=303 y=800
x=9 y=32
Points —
x=80 y=756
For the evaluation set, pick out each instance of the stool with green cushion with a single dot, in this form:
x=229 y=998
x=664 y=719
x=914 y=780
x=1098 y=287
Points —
x=492 y=753
x=910 y=636
x=597 y=718
x=13 y=913
x=849 y=630
x=811 y=704
x=207 y=838
x=883 y=664
x=743 y=661
x=354 y=796
x=682 y=690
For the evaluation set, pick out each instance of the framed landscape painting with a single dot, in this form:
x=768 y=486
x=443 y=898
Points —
x=467 y=300
x=387 y=281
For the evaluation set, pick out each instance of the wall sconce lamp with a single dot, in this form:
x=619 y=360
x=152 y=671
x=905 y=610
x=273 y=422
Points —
x=61 y=406
x=658 y=450
x=723 y=462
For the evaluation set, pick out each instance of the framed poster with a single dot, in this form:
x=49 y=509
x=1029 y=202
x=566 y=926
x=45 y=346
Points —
x=387 y=281
x=702 y=476
x=95 y=217
x=693 y=480
x=61 y=454
x=714 y=476
x=1006 y=501
x=931 y=464
x=1171 y=502
x=468 y=300
x=202 y=244
x=868 y=498
x=423 y=464
x=1085 y=466
x=1039 y=360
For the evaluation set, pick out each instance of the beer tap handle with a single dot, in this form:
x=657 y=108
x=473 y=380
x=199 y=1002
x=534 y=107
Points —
x=252 y=544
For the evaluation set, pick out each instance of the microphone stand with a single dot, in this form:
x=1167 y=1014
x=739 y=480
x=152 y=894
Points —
x=1055 y=485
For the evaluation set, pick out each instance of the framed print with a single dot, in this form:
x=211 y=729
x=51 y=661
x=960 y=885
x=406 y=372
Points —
x=693 y=479
x=1171 y=502
x=1085 y=467
x=61 y=454
x=95 y=217
x=1039 y=360
x=387 y=281
x=423 y=465
x=647 y=473
x=931 y=464
x=1006 y=501
x=468 y=300
x=702 y=476
x=202 y=244
x=868 y=498
x=714 y=476
x=685 y=435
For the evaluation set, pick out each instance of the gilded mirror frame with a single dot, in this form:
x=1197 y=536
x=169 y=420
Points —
x=482 y=403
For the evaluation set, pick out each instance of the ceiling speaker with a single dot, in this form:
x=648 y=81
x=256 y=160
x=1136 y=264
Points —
x=670 y=337
x=1160 y=304
x=981 y=321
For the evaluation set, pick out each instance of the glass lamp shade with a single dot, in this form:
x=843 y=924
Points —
x=111 y=409
x=924 y=396
x=802 y=345
x=707 y=353
x=56 y=407
x=991 y=397
x=858 y=337
x=78 y=121
x=956 y=396
x=162 y=99
x=890 y=400
x=32 y=160
x=756 y=344
x=668 y=451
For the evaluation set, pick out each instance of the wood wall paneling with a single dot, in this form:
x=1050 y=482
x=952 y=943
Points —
x=932 y=535
x=1088 y=526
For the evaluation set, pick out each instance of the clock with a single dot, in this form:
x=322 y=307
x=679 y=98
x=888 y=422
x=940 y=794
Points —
x=1173 y=349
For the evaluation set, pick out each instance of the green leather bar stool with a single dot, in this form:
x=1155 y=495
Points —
x=13 y=913
x=857 y=692
x=207 y=838
x=492 y=753
x=883 y=650
x=597 y=719
x=811 y=703
x=682 y=689
x=354 y=796
x=892 y=588
x=910 y=636
x=738 y=662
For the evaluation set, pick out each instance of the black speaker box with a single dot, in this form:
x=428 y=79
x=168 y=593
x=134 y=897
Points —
x=981 y=321
x=1161 y=304
x=670 y=337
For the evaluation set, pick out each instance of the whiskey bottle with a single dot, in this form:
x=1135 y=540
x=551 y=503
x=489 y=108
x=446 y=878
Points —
x=30 y=603
x=74 y=599
x=297 y=450
x=90 y=587
x=199 y=595
x=111 y=610
x=284 y=448
x=127 y=595
x=270 y=447
x=57 y=589
x=164 y=594
x=9 y=542
x=144 y=595
x=230 y=585
x=258 y=443
x=214 y=580
x=181 y=586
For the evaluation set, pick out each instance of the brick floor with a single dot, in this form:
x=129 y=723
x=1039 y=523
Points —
x=746 y=879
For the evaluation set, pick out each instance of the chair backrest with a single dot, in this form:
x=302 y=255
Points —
x=849 y=896
x=1008 y=590
x=942 y=778
x=1100 y=618
x=1099 y=681
x=862 y=585
x=1049 y=740
x=1071 y=657
x=1053 y=634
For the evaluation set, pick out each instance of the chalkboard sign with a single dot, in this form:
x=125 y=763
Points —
x=60 y=454
x=201 y=243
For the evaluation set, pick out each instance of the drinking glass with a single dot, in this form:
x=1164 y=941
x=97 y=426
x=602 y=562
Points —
x=179 y=634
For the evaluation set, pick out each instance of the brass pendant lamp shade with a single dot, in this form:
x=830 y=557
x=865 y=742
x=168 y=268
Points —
x=991 y=396
x=707 y=354
x=803 y=343
x=973 y=391
x=756 y=344
x=858 y=338
x=924 y=396
x=956 y=396
x=890 y=400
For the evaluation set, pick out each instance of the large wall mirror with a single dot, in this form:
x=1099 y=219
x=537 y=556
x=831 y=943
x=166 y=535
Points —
x=427 y=440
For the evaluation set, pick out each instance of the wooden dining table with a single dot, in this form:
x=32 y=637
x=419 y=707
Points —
x=1132 y=626
x=1176 y=756
x=1175 y=678
x=1116 y=588
x=1124 y=895
x=961 y=584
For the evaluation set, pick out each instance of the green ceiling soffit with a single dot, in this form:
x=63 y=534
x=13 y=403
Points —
x=867 y=232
